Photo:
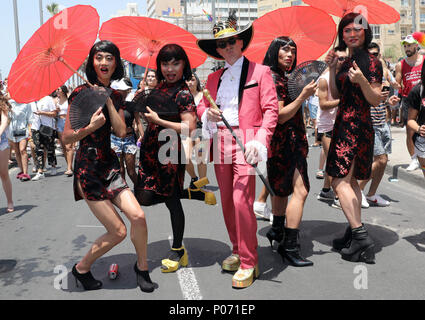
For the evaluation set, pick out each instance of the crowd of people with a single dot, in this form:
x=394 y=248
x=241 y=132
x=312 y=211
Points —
x=350 y=106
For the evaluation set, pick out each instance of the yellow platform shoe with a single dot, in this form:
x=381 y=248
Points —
x=173 y=262
x=245 y=277
x=231 y=263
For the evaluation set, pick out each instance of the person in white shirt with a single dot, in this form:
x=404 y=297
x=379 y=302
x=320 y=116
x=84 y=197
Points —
x=44 y=116
x=62 y=108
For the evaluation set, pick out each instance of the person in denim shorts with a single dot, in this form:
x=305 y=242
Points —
x=126 y=148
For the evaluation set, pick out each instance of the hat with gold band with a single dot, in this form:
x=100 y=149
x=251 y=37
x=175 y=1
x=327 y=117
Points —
x=224 y=30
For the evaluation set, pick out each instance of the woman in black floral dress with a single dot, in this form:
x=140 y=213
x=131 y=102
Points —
x=161 y=171
x=287 y=165
x=358 y=84
x=97 y=177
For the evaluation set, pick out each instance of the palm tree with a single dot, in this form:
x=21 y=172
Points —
x=53 y=8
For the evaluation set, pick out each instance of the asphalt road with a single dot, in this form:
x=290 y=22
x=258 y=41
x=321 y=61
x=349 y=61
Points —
x=49 y=232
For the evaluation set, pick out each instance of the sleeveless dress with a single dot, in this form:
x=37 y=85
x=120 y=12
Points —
x=155 y=175
x=96 y=165
x=288 y=147
x=353 y=135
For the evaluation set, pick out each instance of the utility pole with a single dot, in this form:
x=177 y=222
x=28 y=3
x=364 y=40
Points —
x=413 y=5
x=213 y=12
x=18 y=42
x=41 y=12
x=185 y=15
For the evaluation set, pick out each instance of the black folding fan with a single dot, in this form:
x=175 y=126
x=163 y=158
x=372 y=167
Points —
x=303 y=74
x=85 y=104
x=159 y=101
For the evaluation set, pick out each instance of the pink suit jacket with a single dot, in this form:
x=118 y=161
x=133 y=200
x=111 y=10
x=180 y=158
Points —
x=258 y=104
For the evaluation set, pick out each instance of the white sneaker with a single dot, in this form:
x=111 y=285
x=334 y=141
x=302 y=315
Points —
x=377 y=200
x=53 y=171
x=365 y=204
x=413 y=165
x=336 y=204
x=271 y=219
x=262 y=210
x=38 y=176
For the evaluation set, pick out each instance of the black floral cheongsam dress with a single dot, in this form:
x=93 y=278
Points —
x=96 y=165
x=288 y=147
x=156 y=175
x=353 y=135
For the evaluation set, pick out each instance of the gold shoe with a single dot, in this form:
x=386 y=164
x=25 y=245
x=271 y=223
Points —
x=171 y=265
x=231 y=263
x=209 y=198
x=245 y=277
x=201 y=183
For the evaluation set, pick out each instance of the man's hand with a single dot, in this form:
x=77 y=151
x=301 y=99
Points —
x=214 y=115
x=251 y=155
x=393 y=100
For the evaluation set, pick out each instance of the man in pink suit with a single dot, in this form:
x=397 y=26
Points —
x=246 y=95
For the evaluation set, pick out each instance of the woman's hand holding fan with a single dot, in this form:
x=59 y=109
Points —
x=308 y=90
x=151 y=116
x=97 y=120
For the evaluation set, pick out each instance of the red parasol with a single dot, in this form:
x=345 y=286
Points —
x=53 y=53
x=375 y=12
x=140 y=39
x=312 y=30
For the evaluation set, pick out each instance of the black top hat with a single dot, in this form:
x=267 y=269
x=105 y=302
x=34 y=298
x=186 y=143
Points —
x=223 y=30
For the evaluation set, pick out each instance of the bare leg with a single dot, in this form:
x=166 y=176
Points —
x=378 y=170
x=294 y=210
x=24 y=155
x=409 y=142
x=130 y=162
x=350 y=197
x=15 y=148
x=139 y=230
x=263 y=195
x=326 y=142
x=422 y=163
x=5 y=179
x=187 y=145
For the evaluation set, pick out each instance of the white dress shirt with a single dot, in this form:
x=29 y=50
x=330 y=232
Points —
x=228 y=100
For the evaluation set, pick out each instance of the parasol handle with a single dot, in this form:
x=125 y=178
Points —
x=61 y=59
x=146 y=69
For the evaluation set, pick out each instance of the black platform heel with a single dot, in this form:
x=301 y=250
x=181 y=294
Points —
x=289 y=249
x=86 y=279
x=143 y=280
x=277 y=231
x=361 y=249
x=344 y=242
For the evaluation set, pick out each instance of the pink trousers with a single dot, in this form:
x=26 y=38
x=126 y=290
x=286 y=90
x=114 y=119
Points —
x=237 y=189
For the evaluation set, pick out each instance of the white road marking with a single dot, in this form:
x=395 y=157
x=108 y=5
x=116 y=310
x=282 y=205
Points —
x=188 y=284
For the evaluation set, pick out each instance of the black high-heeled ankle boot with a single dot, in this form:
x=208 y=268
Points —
x=277 y=231
x=143 y=280
x=86 y=279
x=344 y=242
x=289 y=249
x=361 y=249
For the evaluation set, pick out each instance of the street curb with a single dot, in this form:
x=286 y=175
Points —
x=399 y=172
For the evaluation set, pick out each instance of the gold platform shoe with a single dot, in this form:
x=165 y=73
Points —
x=245 y=277
x=231 y=263
x=174 y=262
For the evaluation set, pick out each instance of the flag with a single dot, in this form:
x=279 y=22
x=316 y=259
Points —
x=208 y=15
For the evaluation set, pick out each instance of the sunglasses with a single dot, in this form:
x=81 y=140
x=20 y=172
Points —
x=341 y=58
x=222 y=44
x=374 y=54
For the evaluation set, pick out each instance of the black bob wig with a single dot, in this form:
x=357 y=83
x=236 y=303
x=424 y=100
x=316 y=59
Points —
x=104 y=46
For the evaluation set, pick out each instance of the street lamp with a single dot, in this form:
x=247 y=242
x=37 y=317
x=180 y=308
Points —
x=15 y=12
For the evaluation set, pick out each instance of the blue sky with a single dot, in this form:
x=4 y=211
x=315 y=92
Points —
x=29 y=22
